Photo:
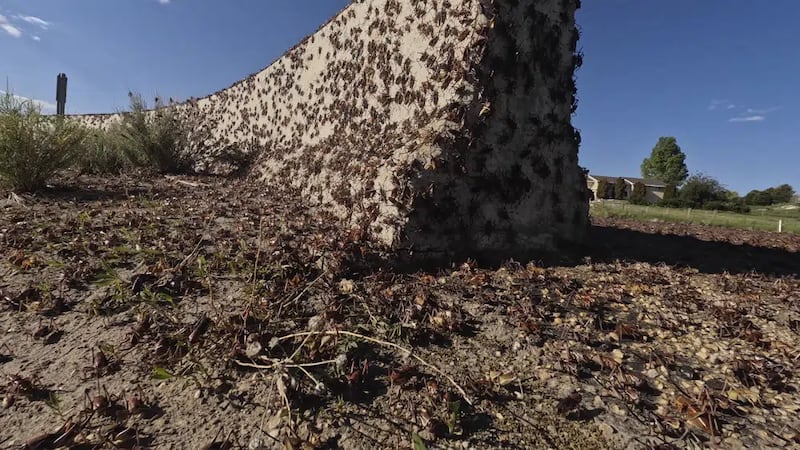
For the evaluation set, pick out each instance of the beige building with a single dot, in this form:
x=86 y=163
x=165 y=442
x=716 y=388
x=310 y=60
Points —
x=654 y=188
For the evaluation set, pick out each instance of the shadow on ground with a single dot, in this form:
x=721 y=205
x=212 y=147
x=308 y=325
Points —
x=711 y=250
x=609 y=243
x=88 y=194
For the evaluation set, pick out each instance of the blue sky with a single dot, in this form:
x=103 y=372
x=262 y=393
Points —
x=720 y=75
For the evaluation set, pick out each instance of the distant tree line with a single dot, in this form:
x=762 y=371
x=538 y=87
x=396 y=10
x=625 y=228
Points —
x=779 y=194
x=667 y=163
x=702 y=191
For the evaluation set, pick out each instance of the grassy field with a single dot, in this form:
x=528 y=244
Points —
x=759 y=219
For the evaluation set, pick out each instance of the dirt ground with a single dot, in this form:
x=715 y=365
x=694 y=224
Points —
x=187 y=313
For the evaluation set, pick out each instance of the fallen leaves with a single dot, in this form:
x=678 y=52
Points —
x=698 y=416
x=502 y=378
x=402 y=375
x=623 y=339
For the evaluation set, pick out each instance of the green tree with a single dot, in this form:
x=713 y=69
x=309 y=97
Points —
x=667 y=162
x=639 y=194
x=781 y=194
x=700 y=190
x=620 y=189
x=602 y=189
x=670 y=192
x=758 y=198
x=778 y=194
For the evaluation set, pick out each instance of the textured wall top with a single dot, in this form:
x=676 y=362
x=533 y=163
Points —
x=424 y=122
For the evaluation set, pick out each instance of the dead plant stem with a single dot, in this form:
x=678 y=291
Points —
x=385 y=344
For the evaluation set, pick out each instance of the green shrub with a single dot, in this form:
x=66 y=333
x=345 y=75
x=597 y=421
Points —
x=620 y=189
x=718 y=205
x=701 y=189
x=639 y=194
x=102 y=155
x=153 y=138
x=759 y=198
x=782 y=194
x=779 y=194
x=604 y=190
x=670 y=192
x=34 y=147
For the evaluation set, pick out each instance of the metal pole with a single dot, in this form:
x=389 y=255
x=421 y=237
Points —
x=61 y=94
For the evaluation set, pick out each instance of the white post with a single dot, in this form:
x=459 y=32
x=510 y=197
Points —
x=780 y=226
x=688 y=212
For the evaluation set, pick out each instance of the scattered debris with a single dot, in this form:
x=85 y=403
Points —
x=228 y=301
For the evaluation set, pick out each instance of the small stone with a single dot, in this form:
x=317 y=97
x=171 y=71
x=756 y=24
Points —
x=733 y=442
x=254 y=347
x=426 y=435
x=274 y=425
x=617 y=410
x=316 y=323
x=606 y=429
x=346 y=286
x=341 y=361
x=256 y=443
x=198 y=393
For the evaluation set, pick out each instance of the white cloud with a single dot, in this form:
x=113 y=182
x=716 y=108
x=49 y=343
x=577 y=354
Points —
x=36 y=38
x=756 y=118
x=33 y=20
x=11 y=30
x=163 y=2
x=763 y=111
x=753 y=114
x=46 y=106
x=716 y=104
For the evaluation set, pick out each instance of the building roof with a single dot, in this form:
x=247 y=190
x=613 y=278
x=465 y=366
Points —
x=646 y=181
x=604 y=178
x=651 y=182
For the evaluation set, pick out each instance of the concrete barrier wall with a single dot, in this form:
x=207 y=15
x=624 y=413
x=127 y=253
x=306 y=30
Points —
x=434 y=125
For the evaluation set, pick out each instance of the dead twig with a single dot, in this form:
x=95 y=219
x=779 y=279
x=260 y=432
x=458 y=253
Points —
x=186 y=183
x=385 y=344
x=277 y=364
x=300 y=294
